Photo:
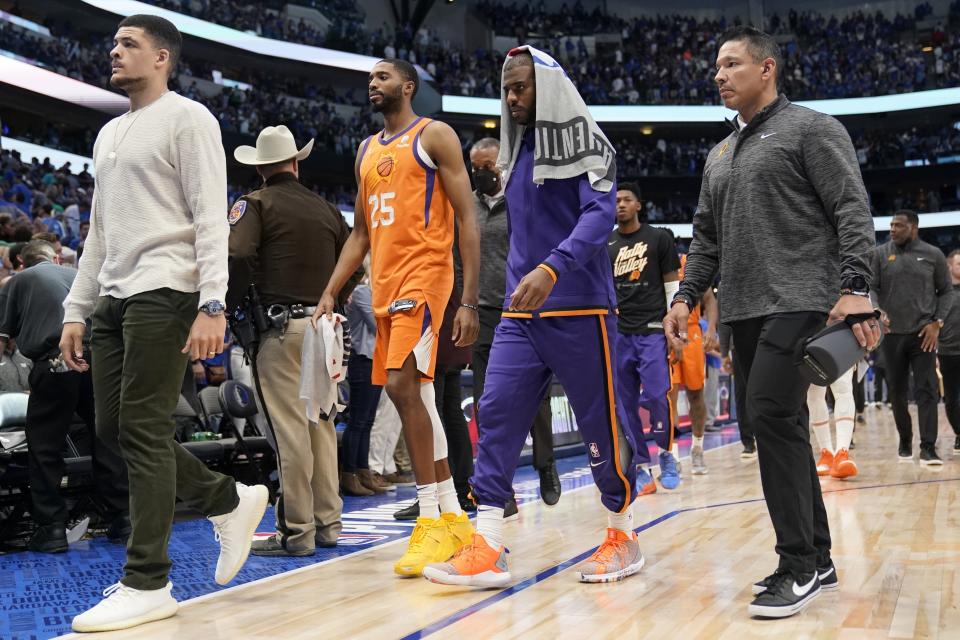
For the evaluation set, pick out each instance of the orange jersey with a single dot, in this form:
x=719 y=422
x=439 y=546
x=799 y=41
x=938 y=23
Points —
x=695 y=312
x=410 y=221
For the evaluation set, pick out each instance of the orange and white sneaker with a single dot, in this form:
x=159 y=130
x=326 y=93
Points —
x=843 y=466
x=825 y=463
x=618 y=557
x=475 y=565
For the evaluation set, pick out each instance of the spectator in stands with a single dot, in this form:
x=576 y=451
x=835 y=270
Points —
x=16 y=263
x=65 y=255
x=82 y=237
x=14 y=369
x=6 y=227
x=33 y=314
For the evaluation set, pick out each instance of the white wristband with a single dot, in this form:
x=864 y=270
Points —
x=671 y=289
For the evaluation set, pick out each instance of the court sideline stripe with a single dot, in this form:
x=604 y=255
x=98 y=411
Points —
x=310 y=567
x=551 y=571
x=323 y=563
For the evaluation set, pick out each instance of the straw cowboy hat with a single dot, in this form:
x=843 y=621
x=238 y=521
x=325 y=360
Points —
x=274 y=144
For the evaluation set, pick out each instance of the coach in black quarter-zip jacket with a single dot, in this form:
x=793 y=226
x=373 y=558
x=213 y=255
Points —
x=783 y=214
x=912 y=285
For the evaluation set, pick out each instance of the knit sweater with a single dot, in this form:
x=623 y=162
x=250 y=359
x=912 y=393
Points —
x=159 y=209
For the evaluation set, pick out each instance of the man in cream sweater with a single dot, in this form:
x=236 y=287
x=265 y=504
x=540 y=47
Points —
x=152 y=279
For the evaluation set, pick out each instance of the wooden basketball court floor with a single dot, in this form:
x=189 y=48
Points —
x=896 y=544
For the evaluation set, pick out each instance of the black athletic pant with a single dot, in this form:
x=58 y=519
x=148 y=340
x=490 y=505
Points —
x=542 y=430
x=950 y=370
x=54 y=399
x=446 y=387
x=766 y=354
x=859 y=397
x=902 y=354
x=739 y=382
x=879 y=376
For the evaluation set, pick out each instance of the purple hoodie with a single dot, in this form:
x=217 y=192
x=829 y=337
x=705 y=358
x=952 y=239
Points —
x=562 y=225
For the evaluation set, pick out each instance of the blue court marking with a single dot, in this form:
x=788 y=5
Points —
x=552 y=571
x=40 y=593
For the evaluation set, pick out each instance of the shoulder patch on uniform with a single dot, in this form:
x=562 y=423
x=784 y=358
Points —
x=236 y=212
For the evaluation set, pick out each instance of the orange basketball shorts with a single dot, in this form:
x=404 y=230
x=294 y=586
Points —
x=399 y=335
x=690 y=370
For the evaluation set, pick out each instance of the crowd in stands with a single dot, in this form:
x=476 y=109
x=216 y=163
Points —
x=921 y=146
x=659 y=60
x=308 y=108
x=873 y=51
x=37 y=197
x=652 y=156
x=669 y=59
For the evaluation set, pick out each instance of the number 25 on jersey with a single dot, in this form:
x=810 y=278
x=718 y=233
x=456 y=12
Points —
x=381 y=211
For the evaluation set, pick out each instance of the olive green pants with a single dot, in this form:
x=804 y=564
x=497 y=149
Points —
x=137 y=374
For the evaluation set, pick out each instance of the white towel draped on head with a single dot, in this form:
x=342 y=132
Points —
x=568 y=141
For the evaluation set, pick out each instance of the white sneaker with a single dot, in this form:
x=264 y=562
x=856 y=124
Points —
x=125 y=607
x=696 y=458
x=234 y=531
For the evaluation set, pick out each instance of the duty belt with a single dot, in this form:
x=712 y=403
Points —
x=291 y=311
x=278 y=315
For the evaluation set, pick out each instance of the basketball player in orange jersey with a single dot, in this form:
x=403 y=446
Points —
x=411 y=181
x=688 y=369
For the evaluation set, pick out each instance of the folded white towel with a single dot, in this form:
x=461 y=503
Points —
x=321 y=368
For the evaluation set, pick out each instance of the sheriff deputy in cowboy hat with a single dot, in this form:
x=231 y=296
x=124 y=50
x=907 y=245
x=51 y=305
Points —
x=286 y=239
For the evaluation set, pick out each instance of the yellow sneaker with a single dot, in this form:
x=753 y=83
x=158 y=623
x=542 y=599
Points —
x=460 y=533
x=429 y=539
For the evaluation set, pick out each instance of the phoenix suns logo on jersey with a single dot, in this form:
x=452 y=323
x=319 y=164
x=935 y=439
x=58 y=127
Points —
x=386 y=164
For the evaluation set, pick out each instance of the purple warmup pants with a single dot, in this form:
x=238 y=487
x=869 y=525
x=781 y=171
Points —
x=642 y=361
x=580 y=351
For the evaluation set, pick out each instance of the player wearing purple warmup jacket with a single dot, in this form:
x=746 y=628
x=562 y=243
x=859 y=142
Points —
x=559 y=318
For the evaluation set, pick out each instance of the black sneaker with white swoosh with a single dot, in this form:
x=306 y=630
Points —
x=827 y=574
x=786 y=595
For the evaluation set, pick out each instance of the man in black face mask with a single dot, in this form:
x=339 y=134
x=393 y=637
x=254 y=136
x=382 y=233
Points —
x=492 y=218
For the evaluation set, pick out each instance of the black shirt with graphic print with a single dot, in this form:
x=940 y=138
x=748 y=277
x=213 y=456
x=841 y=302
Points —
x=640 y=260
